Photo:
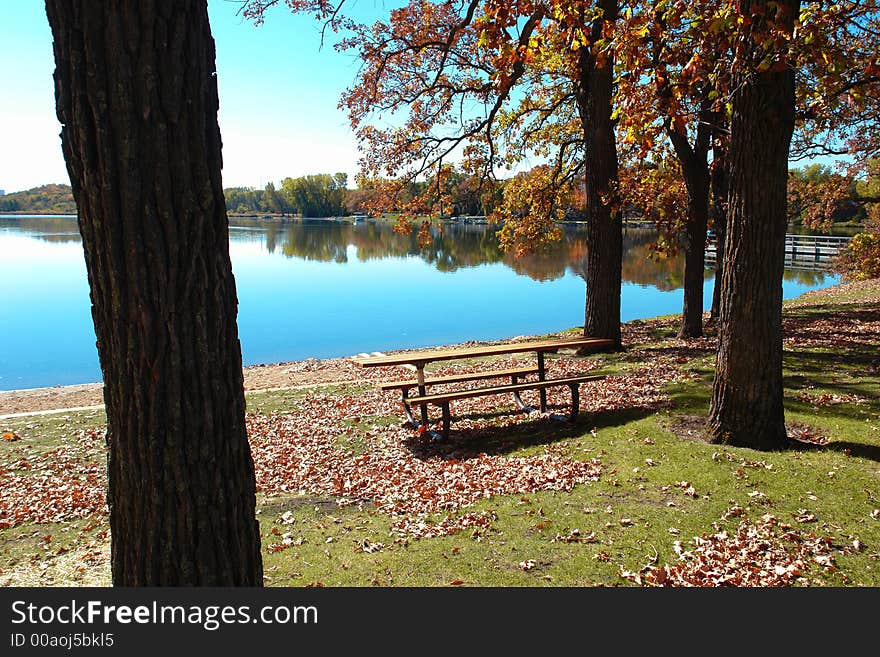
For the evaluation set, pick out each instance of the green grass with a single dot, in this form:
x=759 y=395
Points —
x=645 y=456
x=285 y=401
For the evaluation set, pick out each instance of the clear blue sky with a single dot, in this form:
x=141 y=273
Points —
x=278 y=97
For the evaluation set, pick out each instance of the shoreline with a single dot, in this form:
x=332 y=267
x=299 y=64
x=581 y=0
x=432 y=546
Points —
x=267 y=377
x=328 y=371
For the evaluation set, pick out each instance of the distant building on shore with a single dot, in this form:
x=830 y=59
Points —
x=2 y=192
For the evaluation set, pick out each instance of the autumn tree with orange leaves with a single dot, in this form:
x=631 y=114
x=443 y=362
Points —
x=746 y=76
x=672 y=98
x=494 y=83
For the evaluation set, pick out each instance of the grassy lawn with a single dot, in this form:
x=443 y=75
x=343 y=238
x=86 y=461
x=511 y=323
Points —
x=659 y=484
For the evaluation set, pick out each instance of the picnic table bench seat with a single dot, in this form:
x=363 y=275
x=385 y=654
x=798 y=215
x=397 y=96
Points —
x=458 y=378
x=405 y=386
x=443 y=399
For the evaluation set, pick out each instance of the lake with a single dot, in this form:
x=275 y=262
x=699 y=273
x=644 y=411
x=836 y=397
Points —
x=319 y=289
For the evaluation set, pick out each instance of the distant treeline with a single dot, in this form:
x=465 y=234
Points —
x=321 y=195
x=818 y=197
x=326 y=195
x=47 y=199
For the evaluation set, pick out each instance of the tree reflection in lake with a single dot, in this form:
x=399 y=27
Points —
x=453 y=246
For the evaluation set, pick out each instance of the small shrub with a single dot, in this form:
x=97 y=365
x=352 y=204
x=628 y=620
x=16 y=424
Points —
x=861 y=258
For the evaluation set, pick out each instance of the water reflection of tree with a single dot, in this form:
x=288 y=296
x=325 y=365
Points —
x=805 y=276
x=453 y=247
x=49 y=229
x=645 y=266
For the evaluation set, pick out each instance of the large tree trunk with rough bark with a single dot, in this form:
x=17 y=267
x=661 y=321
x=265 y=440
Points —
x=719 y=214
x=136 y=95
x=603 y=261
x=746 y=408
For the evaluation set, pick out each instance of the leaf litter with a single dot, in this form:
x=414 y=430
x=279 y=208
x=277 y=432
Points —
x=766 y=553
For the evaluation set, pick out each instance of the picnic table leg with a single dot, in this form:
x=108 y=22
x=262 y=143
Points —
x=406 y=408
x=519 y=402
x=420 y=377
x=575 y=402
x=446 y=419
x=543 y=391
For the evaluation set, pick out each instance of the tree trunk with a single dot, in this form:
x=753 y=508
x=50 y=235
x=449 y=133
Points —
x=694 y=160
x=695 y=254
x=719 y=216
x=602 y=269
x=136 y=94
x=746 y=408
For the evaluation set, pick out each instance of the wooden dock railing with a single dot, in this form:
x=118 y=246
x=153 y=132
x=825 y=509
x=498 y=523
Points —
x=801 y=251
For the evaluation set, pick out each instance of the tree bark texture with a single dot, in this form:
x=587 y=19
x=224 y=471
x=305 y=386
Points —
x=603 y=261
x=747 y=397
x=136 y=95
x=719 y=217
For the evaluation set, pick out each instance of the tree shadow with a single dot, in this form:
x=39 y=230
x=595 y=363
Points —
x=858 y=354
x=495 y=440
x=858 y=450
x=683 y=351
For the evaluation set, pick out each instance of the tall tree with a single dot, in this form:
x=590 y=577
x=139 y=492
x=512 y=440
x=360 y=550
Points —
x=675 y=61
x=594 y=91
x=495 y=83
x=746 y=407
x=136 y=95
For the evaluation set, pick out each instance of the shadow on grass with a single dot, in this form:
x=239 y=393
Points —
x=858 y=450
x=818 y=361
x=691 y=401
x=682 y=351
x=498 y=439
x=847 y=311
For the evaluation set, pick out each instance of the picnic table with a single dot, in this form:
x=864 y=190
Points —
x=419 y=359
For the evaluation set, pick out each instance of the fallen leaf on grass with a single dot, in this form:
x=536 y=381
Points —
x=574 y=536
x=687 y=487
x=803 y=515
x=369 y=547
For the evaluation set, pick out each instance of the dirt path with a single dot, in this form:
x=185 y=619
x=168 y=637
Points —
x=258 y=377
x=278 y=376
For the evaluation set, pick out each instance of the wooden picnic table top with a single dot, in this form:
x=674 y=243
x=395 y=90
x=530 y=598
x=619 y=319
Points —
x=422 y=357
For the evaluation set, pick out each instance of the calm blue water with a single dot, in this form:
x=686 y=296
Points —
x=321 y=289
